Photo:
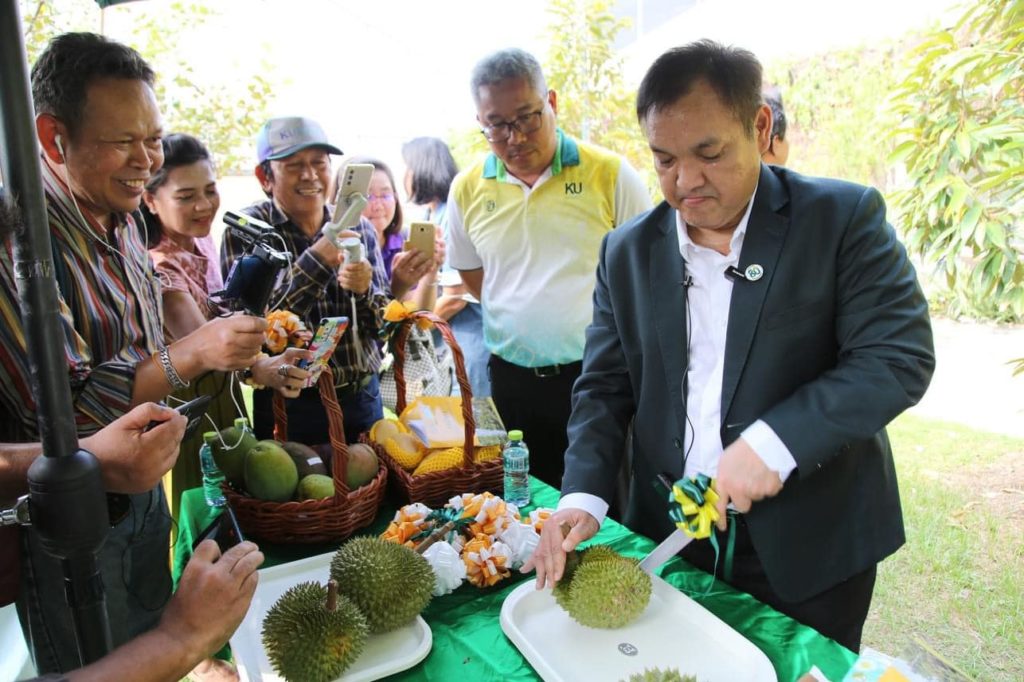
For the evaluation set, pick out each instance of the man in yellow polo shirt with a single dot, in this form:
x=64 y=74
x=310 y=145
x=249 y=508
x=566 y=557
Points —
x=524 y=229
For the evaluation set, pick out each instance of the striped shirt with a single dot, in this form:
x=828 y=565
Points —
x=311 y=290
x=110 y=316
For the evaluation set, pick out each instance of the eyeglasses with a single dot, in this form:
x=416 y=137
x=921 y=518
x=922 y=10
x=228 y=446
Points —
x=525 y=124
x=383 y=198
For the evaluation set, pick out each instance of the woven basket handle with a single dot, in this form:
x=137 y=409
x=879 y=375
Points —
x=335 y=429
x=460 y=374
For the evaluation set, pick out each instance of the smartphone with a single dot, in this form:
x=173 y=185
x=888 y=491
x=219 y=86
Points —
x=421 y=236
x=355 y=183
x=326 y=339
x=193 y=411
x=224 y=530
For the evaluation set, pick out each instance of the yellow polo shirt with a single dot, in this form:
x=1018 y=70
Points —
x=538 y=246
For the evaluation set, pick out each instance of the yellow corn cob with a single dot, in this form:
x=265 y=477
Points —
x=403 y=451
x=440 y=460
x=486 y=453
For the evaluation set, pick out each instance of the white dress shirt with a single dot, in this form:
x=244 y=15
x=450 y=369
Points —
x=709 y=295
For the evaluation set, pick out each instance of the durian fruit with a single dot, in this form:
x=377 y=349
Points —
x=572 y=562
x=659 y=675
x=440 y=460
x=486 y=453
x=313 y=634
x=605 y=590
x=405 y=449
x=390 y=583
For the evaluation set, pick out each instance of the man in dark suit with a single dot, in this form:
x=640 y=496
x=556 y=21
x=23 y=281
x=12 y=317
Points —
x=760 y=327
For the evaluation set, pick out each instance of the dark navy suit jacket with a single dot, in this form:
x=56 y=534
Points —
x=830 y=345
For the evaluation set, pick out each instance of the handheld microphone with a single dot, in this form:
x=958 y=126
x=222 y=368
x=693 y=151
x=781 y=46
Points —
x=252 y=228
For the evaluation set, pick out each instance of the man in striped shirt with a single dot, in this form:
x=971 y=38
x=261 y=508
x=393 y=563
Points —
x=294 y=170
x=100 y=131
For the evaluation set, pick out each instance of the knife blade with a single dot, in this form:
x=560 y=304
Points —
x=668 y=548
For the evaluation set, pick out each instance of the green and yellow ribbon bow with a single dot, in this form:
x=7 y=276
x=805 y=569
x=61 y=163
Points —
x=692 y=508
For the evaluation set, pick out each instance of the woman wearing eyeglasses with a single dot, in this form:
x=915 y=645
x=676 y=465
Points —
x=413 y=274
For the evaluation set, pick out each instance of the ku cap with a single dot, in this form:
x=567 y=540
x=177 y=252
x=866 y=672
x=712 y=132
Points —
x=281 y=137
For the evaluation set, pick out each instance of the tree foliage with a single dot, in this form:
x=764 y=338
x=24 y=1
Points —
x=961 y=136
x=836 y=111
x=586 y=72
x=222 y=107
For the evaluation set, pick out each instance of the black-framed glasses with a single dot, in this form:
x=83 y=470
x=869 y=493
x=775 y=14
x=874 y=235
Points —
x=525 y=124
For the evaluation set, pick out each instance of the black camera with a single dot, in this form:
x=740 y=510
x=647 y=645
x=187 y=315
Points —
x=254 y=276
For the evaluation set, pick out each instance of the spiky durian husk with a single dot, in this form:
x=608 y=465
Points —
x=603 y=589
x=390 y=583
x=659 y=675
x=572 y=561
x=600 y=553
x=306 y=642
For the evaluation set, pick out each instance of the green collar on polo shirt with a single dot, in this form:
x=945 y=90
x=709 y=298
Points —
x=566 y=154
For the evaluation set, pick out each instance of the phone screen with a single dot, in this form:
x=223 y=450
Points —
x=193 y=411
x=224 y=530
x=324 y=342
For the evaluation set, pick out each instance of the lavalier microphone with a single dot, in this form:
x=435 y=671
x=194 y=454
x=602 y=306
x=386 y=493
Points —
x=753 y=273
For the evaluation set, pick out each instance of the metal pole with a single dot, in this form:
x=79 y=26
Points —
x=68 y=504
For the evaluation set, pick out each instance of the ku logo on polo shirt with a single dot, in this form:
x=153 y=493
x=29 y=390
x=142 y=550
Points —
x=573 y=188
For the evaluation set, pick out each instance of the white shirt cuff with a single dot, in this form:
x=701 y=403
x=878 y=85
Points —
x=592 y=504
x=770 y=448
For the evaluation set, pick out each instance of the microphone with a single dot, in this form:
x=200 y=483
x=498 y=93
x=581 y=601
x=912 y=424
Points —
x=687 y=282
x=753 y=273
x=734 y=273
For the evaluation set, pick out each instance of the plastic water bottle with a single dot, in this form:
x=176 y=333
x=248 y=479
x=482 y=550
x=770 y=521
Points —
x=212 y=476
x=515 y=458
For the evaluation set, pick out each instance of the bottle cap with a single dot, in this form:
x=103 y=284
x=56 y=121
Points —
x=515 y=434
x=210 y=437
x=241 y=422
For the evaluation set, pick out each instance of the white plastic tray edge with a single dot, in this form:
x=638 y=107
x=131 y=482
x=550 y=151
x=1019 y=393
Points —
x=670 y=610
x=413 y=641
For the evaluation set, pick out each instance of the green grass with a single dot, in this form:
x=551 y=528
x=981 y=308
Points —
x=958 y=583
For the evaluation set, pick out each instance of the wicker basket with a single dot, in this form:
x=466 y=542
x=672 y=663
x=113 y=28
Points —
x=435 y=488
x=313 y=521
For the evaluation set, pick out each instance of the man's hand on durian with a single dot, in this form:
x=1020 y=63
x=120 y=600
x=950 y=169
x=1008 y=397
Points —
x=549 y=557
x=743 y=478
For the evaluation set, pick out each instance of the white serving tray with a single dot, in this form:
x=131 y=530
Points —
x=383 y=655
x=673 y=632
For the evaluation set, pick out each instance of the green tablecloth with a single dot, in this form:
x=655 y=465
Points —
x=468 y=640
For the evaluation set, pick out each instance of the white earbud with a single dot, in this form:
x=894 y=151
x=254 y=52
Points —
x=60 y=147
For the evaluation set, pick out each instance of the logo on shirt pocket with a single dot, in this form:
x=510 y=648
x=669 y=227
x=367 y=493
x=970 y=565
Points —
x=573 y=188
x=490 y=205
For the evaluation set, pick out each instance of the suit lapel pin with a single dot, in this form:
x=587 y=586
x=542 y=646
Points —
x=754 y=272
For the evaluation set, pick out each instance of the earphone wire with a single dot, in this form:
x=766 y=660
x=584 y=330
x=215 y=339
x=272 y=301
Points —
x=147 y=276
x=686 y=377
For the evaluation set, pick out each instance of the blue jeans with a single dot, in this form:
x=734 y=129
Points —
x=307 y=419
x=468 y=327
x=136 y=579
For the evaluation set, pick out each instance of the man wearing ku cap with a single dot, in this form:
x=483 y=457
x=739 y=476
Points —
x=294 y=170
